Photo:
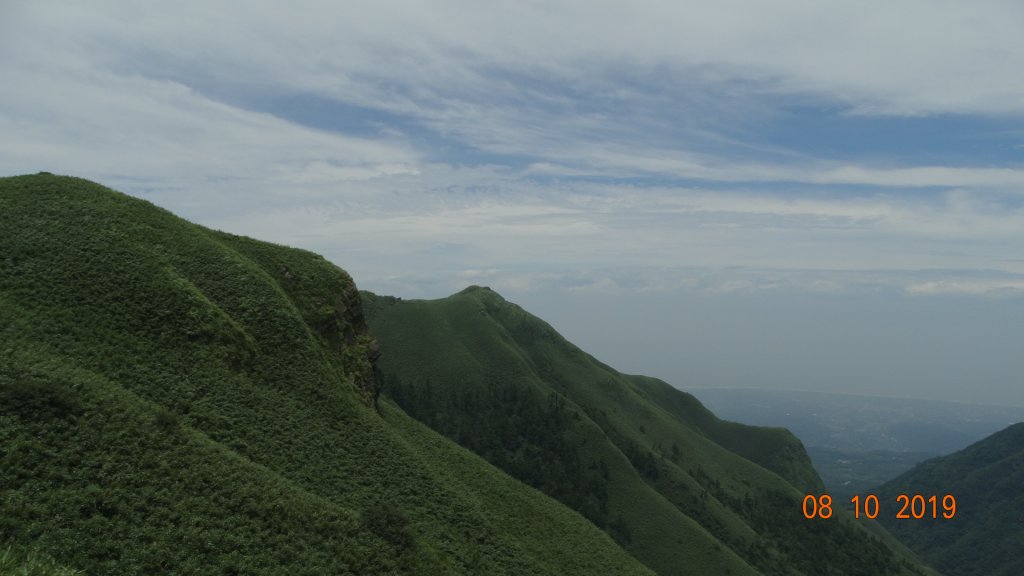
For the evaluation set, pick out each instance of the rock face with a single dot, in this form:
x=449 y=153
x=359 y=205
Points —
x=365 y=350
x=358 y=347
x=343 y=326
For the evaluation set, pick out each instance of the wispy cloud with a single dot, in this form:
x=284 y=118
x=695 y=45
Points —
x=754 y=179
x=569 y=135
x=136 y=133
x=970 y=286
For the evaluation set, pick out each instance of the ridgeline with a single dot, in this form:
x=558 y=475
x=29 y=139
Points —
x=670 y=482
x=179 y=400
x=175 y=399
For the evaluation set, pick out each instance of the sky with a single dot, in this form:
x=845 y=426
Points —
x=785 y=194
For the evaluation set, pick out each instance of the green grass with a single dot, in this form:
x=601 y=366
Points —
x=678 y=488
x=17 y=561
x=179 y=400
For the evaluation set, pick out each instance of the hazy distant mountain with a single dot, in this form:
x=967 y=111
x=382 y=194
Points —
x=986 y=536
x=673 y=484
x=857 y=442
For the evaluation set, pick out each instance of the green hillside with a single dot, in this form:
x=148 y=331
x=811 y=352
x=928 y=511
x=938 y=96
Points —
x=986 y=536
x=19 y=561
x=674 y=485
x=179 y=400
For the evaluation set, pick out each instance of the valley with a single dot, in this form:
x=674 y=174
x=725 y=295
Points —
x=857 y=442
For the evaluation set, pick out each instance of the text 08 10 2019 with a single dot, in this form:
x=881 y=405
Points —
x=916 y=507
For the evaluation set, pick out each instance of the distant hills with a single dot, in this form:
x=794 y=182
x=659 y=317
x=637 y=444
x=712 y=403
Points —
x=986 y=536
x=858 y=442
x=179 y=400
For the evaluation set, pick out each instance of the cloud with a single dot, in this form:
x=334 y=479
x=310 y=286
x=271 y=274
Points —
x=490 y=74
x=969 y=286
x=528 y=136
x=608 y=160
x=141 y=134
x=586 y=238
x=896 y=59
x=1011 y=179
x=725 y=168
x=541 y=80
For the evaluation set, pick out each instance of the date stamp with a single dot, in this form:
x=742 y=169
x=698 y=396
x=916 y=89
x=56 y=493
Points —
x=916 y=507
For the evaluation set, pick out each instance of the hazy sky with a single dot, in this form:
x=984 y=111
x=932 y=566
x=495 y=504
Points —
x=819 y=195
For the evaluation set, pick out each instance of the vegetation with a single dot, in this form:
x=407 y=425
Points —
x=674 y=485
x=179 y=400
x=986 y=535
x=848 y=474
x=17 y=561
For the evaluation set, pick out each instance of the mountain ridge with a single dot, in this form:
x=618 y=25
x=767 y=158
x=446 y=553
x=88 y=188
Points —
x=472 y=362
x=176 y=399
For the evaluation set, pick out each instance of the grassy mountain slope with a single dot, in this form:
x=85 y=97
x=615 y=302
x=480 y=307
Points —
x=178 y=400
x=683 y=491
x=19 y=561
x=986 y=536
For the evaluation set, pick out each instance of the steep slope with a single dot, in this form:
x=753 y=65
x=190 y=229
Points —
x=178 y=400
x=986 y=535
x=683 y=491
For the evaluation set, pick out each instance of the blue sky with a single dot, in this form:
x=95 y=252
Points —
x=741 y=157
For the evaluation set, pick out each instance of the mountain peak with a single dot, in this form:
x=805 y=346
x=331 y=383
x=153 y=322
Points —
x=475 y=289
x=504 y=384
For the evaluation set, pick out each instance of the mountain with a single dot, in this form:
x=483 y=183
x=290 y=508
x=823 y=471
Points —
x=179 y=400
x=986 y=534
x=673 y=484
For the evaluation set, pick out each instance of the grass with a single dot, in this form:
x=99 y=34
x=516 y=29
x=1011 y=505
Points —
x=21 y=562
x=179 y=400
x=671 y=483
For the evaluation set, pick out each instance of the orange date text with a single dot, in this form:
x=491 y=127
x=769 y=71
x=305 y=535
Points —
x=909 y=507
